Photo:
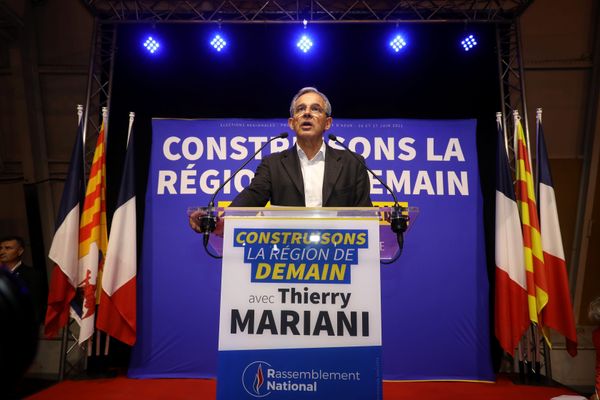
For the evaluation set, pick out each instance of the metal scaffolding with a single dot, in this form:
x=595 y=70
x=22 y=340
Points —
x=99 y=86
x=311 y=10
x=511 y=80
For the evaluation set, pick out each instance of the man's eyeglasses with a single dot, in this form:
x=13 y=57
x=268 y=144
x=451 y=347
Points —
x=315 y=109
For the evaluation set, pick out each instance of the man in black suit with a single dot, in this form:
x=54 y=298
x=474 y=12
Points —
x=311 y=173
x=11 y=255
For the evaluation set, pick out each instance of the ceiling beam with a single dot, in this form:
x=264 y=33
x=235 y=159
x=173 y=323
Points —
x=278 y=11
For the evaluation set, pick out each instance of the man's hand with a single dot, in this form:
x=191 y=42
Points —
x=195 y=220
x=195 y=223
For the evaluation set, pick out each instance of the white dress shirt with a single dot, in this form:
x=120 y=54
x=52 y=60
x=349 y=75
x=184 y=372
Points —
x=312 y=174
x=17 y=265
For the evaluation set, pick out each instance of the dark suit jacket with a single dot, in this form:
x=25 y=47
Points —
x=36 y=285
x=278 y=178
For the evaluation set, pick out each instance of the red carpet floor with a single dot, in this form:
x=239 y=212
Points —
x=122 y=388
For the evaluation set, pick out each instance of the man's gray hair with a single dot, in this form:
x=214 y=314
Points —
x=310 y=89
x=594 y=311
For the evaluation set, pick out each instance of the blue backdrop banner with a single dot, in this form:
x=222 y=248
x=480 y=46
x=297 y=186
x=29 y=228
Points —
x=434 y=298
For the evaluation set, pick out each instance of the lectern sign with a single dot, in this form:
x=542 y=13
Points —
x=300 y=309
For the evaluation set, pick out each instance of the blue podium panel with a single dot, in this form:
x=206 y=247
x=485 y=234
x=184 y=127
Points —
x=300 y=308
x=327 y=373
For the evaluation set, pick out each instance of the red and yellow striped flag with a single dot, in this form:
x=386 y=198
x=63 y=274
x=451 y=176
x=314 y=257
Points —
x=537 y=286
x=92 y=241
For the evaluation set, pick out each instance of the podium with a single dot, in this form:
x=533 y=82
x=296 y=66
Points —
x=300 y=313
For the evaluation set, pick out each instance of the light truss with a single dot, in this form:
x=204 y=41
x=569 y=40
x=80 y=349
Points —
x=99 y=84
x=512 y=83
x=281 y=11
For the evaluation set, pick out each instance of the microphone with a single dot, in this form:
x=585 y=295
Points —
x=208 y=222
x=398 y=221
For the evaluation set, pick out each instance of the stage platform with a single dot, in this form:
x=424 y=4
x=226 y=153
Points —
x=122 y=388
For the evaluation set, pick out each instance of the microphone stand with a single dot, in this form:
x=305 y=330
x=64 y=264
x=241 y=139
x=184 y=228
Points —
x=208 y=221
x=398 y=221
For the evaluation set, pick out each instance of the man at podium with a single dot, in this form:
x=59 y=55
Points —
x=311 y=173
x=341 y=331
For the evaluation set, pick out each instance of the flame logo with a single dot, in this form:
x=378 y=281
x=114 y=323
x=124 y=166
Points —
x=258 y=379
x=254 y=379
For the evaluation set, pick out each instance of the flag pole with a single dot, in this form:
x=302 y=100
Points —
x=100 y=271
x=99 y=275
x=499 y=124
x=536 y=185
x=106 y=344
x=538 y=122
x=501 y=129
x=515 y=137
x=65 y=332
x=131 y=118
x=79 y=117
x=105 y=122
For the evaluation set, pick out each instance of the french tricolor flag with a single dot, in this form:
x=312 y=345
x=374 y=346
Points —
x=117 y=310
x=511 y=312
x=558 y=314
x=64 y=250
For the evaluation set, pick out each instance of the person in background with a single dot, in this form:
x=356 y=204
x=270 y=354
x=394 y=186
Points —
x=18 y=334
x=594 y=315
x=11 y=260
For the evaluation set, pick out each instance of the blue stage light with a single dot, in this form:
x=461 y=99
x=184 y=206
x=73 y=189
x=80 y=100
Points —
x=151 y=45
x=304 y=43
x=218 y=43
x=398 y=43
x=469 y=42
